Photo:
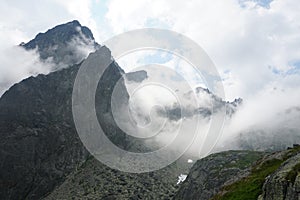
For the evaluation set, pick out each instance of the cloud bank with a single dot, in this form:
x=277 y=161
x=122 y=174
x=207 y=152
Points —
x=255 y=45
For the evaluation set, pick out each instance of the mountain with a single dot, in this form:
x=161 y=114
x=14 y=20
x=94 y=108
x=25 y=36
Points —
x=38 y=139
x=41 y=150
x=64 y=45
x=39 y=143
x=43 y=157
x=209 y=104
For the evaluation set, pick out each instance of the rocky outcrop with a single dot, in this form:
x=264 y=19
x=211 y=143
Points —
x=274 y=176
x=284 y=184
x=210 y=174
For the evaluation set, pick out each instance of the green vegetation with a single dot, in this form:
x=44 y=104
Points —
x=250 y=187
x=291 y=152
x=291 y=176
x=247 y=161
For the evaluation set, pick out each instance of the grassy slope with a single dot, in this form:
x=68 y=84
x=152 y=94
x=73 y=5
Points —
x=250 y=187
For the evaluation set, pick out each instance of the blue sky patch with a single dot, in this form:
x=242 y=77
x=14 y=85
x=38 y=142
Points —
x=262 y=3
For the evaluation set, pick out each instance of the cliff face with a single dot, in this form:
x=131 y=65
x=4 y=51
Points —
x=39 y=143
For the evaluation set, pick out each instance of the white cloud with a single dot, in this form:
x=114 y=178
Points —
x=16 y=63
x=23 y=20
x=245 y=40
x=82 y=11
x=32 y=17
x=132 y=14
x=248 y=43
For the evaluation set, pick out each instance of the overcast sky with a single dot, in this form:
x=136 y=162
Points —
x=255 y=44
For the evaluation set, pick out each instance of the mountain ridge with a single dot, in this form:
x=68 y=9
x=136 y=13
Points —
x=43 y=157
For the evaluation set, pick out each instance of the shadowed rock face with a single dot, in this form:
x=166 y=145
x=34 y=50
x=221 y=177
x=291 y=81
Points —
x=39 y=143
x=137 y=76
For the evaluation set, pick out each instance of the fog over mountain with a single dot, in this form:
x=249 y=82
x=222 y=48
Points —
x=41 y=149
x=58 y=48
x=268 y=122
x=154 y=125
x=68 y=44
x=63 y=45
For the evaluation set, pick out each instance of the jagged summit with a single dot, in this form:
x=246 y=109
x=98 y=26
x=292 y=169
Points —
x=64 y=45
x=62 y=33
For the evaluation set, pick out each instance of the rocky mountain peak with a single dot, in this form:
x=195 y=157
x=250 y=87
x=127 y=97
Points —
x=62 y=33
x=64 y=45
x=39 y=142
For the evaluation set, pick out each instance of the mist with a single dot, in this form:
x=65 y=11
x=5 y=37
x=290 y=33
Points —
x=267 y=119
x=17 y=63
